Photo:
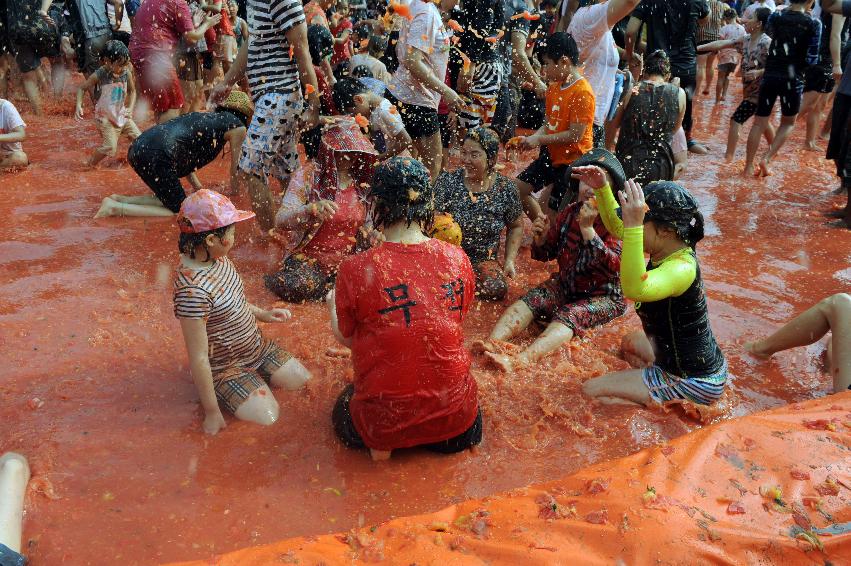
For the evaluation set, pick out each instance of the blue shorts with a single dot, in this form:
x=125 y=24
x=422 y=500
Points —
x=9 y=557
x=703 y=390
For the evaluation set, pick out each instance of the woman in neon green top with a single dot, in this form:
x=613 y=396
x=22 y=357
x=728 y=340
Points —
x=676 y=356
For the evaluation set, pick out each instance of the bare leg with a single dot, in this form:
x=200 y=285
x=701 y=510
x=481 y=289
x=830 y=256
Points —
x=291 y=376
x=513 y=321
x=531 y=206
x=825 y=130
x=637 y=350
x=814 y=120
x=148 y=200
x=110 y=207
x=32 y=91
x=769 y=133
x=430 y=152
x=619 y=387
x=754 y=138
x=783 y=131
x=14 y=160
x=261 y=202
x=14 y=476
x=97 y=157
x=831 y=314
x=260 y=407
x=732 y=141
x=710 y=72
x=701 y=72
x=550 y=339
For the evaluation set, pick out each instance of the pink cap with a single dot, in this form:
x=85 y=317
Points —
x=206 y=210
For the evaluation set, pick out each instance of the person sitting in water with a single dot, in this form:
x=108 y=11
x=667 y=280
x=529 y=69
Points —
x=676 y=356
x=400 y=308
x=324 y=213
x=12 y=133
x=14 y=477
x=230 y=360
x=116 y=90
x=483 y=202
x=178 y=148
x=585 y=292
x=833 y=315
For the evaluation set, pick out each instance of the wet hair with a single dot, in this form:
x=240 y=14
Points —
x=114 y=51
x=657 y=63
x=761 y=15
x=672 y=206
x=344 y=92
x=188 y=241
x=729 y=14
x=362 y=72
x=320 y=43
x=402 y=191
x=489 y=140
x=549 y=3
x=561 y=44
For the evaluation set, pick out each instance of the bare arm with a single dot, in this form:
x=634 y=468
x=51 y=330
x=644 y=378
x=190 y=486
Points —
x=513 y=239
x=564 y=19
x=632 y=29
x=832 y=6
x=521 y=62
x=836 y=43
x=118 y=5
x=717 y=45
x=614 y=124
x=297 y=38
x=235 y=137
x=682 y=103
x=619 y=9
x=571 y=135
x=331 y=301
x=397 y=144
x=81 y=92
x=414 y=63
x=198 y=33
x=15 y=135
x=130 y=103
x=195 y=337
x=237 y=68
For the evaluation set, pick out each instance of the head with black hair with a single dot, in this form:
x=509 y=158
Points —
x=674 y=212
x=657 y=64
x=561 y=57
x=729 y=15
x=115 y=57
x=479 y=153
x=320 y=43
x=362 y=72
x=403 y=192
x=351 y=96
x=191 y=243
x=758 y=20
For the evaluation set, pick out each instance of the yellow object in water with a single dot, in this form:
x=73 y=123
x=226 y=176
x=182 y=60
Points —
x=446 y=229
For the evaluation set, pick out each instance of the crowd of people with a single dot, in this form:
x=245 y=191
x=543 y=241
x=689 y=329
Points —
x=358 y=111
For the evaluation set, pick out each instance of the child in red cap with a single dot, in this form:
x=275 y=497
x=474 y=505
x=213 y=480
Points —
x=229 y=359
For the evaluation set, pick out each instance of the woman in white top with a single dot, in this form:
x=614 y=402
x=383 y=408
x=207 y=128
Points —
x=419 y=83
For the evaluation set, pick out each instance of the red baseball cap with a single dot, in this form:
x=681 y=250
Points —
x=206 y=210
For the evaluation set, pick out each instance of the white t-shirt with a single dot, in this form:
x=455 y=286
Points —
x=597 y=53
x=125 y=19
x=730 y=31
x=9 y=120
x=427 y=33
x=753 y=7
x=385 y=120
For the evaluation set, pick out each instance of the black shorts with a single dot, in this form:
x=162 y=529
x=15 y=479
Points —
x=728 y=68
x=189 y=67
x=818 y=78
x=157 y=171
x=445 y=129
x=420 y=121
x=744 y=112
x=541 y=173
x=789 y=91
x=341 y=418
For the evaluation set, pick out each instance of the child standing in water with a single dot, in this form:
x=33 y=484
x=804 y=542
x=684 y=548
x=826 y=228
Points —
x=117 y=97
x=676 y=356
x=229 y=359
x=400 y=308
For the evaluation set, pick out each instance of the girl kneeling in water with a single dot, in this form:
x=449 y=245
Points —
x=676 y=356
x=230 y=360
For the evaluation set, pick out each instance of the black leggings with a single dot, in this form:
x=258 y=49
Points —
x=158 y=172
x=341 y=418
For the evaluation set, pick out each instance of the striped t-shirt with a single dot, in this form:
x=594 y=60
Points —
x=271 y=68
x=216 y=294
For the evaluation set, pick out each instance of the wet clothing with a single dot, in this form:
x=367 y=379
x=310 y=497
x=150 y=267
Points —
x=271 y=68
x=647 y=130
x=235 y=385
x=403 y=307
x=9 y=557
x=710 y=31
x=344 y=426
x=796 y=37
x=586 y=291
x=166 y=152
x=481 y=216
x=672 y=27
x=670 y=301
x=664 y=386
x=566 y=106
x=29 y=36
x=819 y=77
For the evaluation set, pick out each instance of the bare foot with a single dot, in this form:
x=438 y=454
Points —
x=503 y=362
x=811 y=146
x=379 y=455
x=749 y=171
x=697 y=148
x=107 y=208
x=729 y=158
x=17 y=464
x=754 y=349
x=763 y=169
x=839 y=191
x=481 y=346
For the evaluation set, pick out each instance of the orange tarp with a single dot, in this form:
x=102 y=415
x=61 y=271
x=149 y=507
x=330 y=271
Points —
x=769 y=488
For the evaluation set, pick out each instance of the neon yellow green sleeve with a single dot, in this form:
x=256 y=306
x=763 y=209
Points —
x=608 y=207
x=671 y=278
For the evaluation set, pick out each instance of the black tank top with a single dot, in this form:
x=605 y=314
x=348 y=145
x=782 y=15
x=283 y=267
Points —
x=679 y=327
x=188 y=142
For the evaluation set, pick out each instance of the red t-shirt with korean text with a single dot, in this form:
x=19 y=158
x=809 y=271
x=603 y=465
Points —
x=403 y=305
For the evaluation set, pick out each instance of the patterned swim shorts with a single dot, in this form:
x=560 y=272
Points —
x=548 y=303
x=234 y=385
x=704 y=390
x=270 y=146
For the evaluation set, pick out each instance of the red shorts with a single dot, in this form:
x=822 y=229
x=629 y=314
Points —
x=158 y=83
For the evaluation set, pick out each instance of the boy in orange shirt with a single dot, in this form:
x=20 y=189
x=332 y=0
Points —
x=566 y=133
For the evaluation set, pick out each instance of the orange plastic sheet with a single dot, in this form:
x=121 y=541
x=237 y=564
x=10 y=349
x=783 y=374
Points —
x=769 y=488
